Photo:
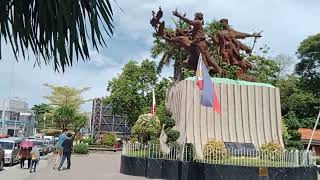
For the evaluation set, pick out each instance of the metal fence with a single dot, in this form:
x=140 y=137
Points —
x=230 y=156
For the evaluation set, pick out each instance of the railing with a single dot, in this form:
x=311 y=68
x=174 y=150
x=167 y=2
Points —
x=241 y=157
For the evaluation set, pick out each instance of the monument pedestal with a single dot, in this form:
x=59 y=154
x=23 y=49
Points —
x=250 y=113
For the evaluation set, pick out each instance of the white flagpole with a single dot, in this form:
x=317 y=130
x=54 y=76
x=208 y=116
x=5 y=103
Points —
x=314 y=129
x=153 y=106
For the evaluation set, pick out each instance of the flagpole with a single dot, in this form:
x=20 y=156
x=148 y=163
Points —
x=314 y=129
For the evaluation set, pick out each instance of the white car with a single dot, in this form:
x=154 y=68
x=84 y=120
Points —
x=11 y=147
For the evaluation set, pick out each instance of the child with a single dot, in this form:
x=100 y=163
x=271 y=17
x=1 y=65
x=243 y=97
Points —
x=35 y=156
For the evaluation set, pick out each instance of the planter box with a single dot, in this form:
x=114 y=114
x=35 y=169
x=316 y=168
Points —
x=181 y=170
x=133 y=166
x=170 y=169
x=154 y=168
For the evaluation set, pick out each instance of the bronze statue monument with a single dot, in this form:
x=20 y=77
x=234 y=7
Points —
x=194 y=41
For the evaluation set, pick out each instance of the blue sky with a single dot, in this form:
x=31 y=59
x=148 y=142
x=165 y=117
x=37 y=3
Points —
x=284 y=23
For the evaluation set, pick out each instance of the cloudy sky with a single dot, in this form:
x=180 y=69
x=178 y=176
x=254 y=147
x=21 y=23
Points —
x=284 y=23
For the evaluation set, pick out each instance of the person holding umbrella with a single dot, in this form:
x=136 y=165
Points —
x=25 y=153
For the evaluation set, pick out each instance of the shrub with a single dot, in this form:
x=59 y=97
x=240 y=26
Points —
x=271 y=151
x=214 y=150
x=295 y=144
x=109 y=139
x=87 y=140
x=81 y=148
x=146 y=128
x=318 y=160
x=169 y=122
x=173 y=136
x=271 y=146
x=133 y=139
x=189 y=152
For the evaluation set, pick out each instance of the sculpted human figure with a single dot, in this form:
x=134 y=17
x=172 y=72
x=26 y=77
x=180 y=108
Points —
x=194 y=41
x=199 y=40
x=230 y=46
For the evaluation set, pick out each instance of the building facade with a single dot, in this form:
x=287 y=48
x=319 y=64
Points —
x=16 y=119
x=306 y=136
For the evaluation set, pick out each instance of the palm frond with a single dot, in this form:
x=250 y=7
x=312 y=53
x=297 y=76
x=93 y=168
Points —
x=55 y=29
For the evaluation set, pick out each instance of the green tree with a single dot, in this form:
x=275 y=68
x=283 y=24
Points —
x=63 y=116
x=55 y=30
x=80 y=121
x=264 y=69
x=65 y=96
x=294 y=98
x=129 y=90
x=297 y=107
x=65 y=102
x=41 y=111
x=309 y=65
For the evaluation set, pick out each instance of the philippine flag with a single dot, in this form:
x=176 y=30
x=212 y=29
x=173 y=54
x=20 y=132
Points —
x=206 y=86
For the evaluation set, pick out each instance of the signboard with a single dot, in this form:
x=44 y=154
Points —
x=236 y=147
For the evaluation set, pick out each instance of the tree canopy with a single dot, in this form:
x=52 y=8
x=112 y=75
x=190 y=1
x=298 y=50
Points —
x=55 y=31
x=309 y=66
x=41 y=111
x=63 y=109
x=129 y=90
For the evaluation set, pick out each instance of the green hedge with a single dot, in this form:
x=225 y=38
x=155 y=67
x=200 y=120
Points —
x=88 y=140
x=109 y=139
x=81 y=148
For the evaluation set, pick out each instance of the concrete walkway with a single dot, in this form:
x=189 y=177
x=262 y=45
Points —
x=95 y=166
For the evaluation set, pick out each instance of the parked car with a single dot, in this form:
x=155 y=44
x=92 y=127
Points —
x=1 y=158
x=11 y=148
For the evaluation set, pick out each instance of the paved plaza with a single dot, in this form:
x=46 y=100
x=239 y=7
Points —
x=95 y=166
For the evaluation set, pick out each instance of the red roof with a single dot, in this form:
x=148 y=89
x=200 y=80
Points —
x=3 y=136
x=306 y=134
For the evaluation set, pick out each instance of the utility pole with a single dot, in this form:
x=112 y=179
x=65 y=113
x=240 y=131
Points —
x=314 y=129
x=2 y=116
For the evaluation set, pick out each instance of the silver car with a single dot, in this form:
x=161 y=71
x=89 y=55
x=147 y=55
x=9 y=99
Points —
x=11 y=147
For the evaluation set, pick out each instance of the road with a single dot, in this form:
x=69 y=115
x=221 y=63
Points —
x=95 y=166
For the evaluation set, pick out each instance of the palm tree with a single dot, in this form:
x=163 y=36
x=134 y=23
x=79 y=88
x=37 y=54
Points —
x=55 y=31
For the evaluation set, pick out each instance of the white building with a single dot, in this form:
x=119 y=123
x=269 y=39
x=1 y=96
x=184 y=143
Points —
x=16 y=119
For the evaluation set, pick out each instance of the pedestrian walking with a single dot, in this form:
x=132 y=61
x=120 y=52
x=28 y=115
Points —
x=61 y=139
x=35 y=157
x=23 y=154
x=67 y=150
x=29 y=157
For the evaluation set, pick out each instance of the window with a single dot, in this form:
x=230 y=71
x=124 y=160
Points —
x=7 y=145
